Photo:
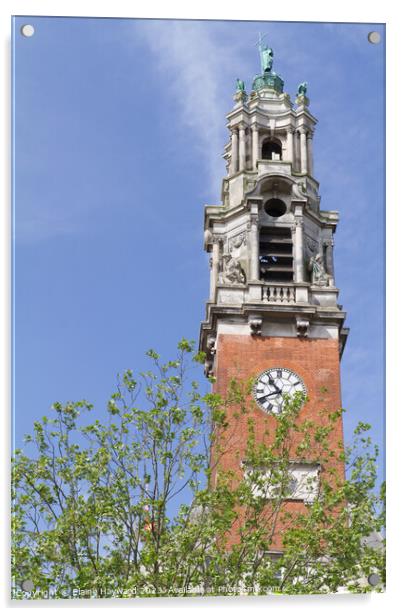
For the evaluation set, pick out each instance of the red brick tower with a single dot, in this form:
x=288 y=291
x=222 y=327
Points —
x=272 y=313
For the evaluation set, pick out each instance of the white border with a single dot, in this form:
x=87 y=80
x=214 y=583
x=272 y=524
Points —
x=293 y=10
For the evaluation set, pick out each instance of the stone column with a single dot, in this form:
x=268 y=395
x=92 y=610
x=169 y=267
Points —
x=214 y=261
x=242 y=147
x=303 y=151
x=255 y=145
x=296 y=150
x=234 y=161
x=297 y=231
x=290 y=145
x=310 y=153
x=329 y=257
x=254 y=248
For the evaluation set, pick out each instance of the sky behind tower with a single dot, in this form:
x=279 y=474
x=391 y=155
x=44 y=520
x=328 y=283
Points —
x=119 y=134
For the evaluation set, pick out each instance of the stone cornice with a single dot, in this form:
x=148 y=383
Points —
x=304 y=112
x=259 y=115
x=316 y=315
x=321 y=220
x=220 y=213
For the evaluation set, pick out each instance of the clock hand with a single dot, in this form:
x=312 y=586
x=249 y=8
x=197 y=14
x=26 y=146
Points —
x=274 y=393
x=272 y=382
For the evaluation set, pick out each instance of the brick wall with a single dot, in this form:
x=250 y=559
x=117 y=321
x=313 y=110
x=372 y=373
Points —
x=243 y=357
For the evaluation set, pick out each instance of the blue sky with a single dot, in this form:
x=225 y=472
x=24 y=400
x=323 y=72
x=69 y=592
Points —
x=119 y=130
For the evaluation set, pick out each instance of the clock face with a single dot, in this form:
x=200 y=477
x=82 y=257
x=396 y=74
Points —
x=272 y=384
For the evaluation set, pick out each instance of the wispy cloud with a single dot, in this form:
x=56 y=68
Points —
x=197 y=65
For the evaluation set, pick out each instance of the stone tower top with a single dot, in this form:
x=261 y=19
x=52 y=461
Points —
x=272 y=269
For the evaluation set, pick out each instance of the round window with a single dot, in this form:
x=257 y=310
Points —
x=275 y=208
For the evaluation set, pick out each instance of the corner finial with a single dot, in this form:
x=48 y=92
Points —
x=301 y=97
x=302 y=89
x=240 y=87
x=240 y=96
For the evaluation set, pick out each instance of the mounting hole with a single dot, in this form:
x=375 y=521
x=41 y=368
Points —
x=275 y=208
x=27 y=585
x=374 y=37
x=27 y=30
x=373 y=579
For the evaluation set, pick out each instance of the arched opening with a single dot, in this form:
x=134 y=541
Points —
x=275 y=207
x=271 y=150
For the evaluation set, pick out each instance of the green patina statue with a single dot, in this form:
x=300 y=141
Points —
x=268 y=78
x=266 y=55
x=267 y=58
x=240 y=87
x=302 y=89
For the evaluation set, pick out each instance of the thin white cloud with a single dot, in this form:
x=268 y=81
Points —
x=193 y=59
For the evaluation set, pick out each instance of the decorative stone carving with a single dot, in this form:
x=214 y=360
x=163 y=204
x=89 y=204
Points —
x=237 y=241
x=208 y=367
x=254 y=219
x=211 y=344
x=250 y=185
x=255 y=326
x=311 y=245
x=207 y=238
x=240 y=97
x=232 y=271
x=298 y=223
x=299 y=190
x=319 y=276
x=302 y=326
x=225 y=184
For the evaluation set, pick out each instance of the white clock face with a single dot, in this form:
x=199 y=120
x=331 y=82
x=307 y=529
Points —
x=272 y=384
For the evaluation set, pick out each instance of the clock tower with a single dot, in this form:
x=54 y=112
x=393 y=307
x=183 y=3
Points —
x=273 y=314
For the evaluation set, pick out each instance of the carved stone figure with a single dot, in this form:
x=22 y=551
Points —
x=319 y=276
x=232 y=271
